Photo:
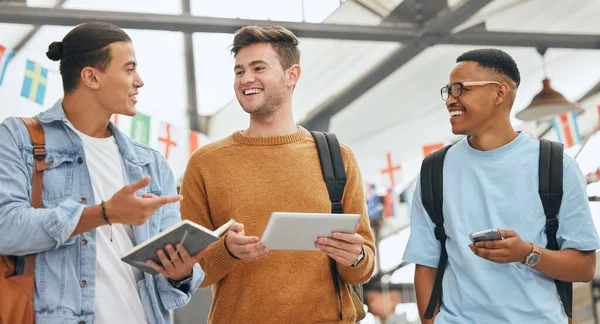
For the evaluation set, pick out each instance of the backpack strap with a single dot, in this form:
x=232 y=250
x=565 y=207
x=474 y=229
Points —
x=551 y=192
x=36 y=132
x=334 y=174
x=432 y=196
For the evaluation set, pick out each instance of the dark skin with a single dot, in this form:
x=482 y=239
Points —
x=485 y=119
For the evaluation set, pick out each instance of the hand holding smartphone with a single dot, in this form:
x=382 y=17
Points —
x=491 y=234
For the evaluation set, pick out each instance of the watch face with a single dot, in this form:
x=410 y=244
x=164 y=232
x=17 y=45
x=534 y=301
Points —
x=533 y=259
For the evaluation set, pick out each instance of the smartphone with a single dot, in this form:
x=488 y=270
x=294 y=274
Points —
x=486 y=235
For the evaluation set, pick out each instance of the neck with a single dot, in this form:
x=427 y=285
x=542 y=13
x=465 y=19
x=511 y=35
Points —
x=86 y=115
x=493 y=136
x=280 y=123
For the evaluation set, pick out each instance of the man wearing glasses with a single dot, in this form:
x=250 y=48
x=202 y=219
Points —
x=490 y=180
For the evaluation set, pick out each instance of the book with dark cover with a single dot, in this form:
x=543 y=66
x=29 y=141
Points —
x=192 y=236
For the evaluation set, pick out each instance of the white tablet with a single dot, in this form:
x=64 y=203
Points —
x=299 y=231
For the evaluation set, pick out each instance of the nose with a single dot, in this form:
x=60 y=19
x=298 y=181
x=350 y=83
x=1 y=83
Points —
x=451 y=101
x=138 y=82
x=247 y=78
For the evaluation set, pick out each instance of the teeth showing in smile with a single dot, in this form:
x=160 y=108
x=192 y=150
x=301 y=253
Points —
x=455 y=113
x=251 y=91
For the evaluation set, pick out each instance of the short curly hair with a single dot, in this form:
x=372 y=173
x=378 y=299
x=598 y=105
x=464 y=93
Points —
x=494 y=60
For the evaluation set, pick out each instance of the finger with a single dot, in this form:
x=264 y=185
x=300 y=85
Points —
x=241 y=239
x=507 y=233
x=133 y=187
x=341 y=253
x=339 y=259
x=254 y=255
x=236 y=227
x=174 y=256
x=166 y=200
x=156 y=267
x=490 y=244
x=335 y=243
x=166 y=263
x=149 y=195
x=247 y=248
x=350 y=238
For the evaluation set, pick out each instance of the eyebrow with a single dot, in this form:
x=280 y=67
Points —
x=255 y=62
x=130 y=63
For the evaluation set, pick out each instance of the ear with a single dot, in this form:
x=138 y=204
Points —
x=503 y=92
x=89 y=78
x=293 y=75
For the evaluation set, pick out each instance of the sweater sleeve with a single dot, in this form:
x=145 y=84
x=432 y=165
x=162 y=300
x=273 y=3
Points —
x=216 y=260
x=354 y=202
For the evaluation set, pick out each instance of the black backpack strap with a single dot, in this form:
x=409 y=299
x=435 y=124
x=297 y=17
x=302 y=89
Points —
x=334 y=174
x=551 y=192
x=432 y=196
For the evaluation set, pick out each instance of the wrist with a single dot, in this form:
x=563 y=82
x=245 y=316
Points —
x=227 y=249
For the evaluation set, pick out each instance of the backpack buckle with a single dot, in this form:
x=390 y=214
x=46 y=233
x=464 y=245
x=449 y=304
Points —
x=39 y=152
x=336 y=207
x=440 y=233
x=551 y=225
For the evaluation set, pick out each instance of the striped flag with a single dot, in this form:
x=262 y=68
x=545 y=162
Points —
x=566 y=129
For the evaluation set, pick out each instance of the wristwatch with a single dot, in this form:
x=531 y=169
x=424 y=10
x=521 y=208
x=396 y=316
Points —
x=360 y=257
x=180 y=283
x=533 y=258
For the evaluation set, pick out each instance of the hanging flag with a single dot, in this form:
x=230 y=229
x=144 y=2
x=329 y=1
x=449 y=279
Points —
x=194 y=141
x=5 y=56
x=390 y=169
x=388 y=202
x=373 y=201
x=34 y=84
x=428 y=149
x=566 y=129
x=140 y=128
x=165 y=137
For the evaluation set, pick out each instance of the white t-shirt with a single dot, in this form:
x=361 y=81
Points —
x=117 y=297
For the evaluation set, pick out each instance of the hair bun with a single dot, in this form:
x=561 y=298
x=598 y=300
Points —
x=55 y=51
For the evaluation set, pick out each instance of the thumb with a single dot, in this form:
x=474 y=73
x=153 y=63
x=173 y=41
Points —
x=237 y=227
x=133 y=187
x=506 y=233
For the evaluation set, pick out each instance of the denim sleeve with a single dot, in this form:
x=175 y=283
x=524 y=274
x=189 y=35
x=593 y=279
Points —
x=170 y=296
x=422 y=247
x=576 y=228
x=23 y=229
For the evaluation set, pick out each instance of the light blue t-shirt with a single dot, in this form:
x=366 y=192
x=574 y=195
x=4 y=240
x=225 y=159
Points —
x=498 y=188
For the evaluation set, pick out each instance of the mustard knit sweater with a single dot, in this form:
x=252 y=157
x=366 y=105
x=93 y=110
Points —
x=247 y=179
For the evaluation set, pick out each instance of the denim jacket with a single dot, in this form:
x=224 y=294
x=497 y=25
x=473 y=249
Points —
x=65 y=270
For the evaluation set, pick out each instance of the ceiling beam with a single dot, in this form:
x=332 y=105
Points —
x=444 y=22
x=193 y=24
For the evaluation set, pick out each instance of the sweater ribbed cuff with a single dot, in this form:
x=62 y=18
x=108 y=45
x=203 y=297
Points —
x=219 y=256
x=362 y=272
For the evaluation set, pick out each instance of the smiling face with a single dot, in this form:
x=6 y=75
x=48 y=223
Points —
x=261 y=84
x=478 y=107
x=116 y=88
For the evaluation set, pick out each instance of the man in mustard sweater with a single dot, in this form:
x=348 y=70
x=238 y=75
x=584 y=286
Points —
x=272 y=166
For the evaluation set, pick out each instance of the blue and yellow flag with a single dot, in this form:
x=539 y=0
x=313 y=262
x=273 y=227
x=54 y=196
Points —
x=34 y=85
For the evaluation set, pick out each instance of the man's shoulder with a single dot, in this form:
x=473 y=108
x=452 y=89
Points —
x=210 y=149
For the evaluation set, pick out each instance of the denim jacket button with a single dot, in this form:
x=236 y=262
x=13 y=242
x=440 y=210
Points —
x=80 y=160
x=83 y=283
x=84 y=241
x=81 y=322
x=83 y=200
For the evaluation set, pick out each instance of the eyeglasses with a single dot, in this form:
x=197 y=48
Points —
x=455 y=89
